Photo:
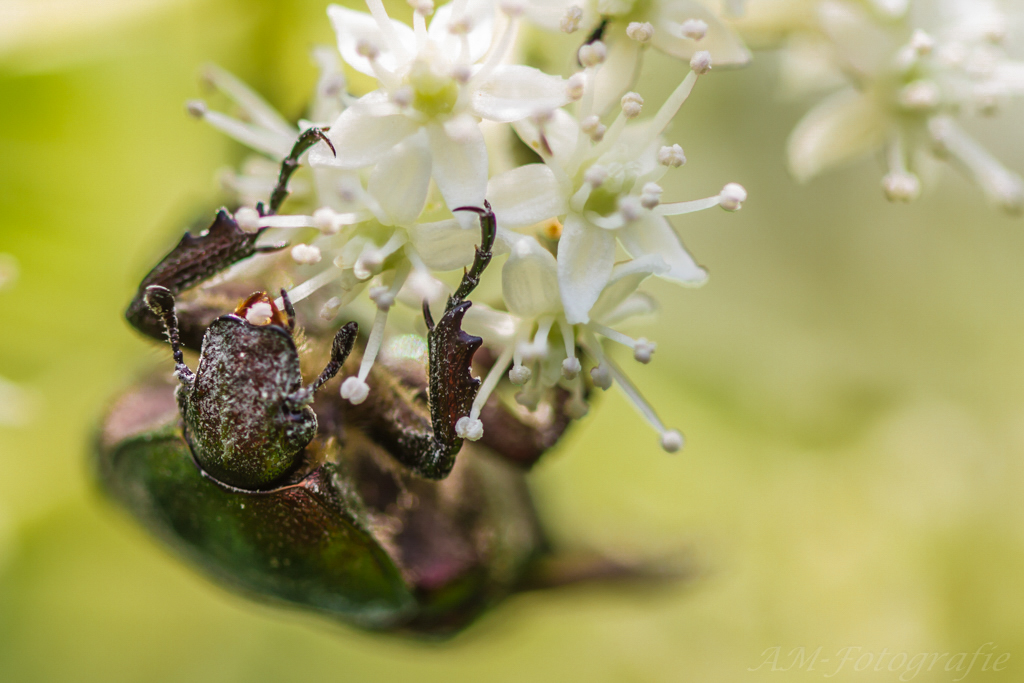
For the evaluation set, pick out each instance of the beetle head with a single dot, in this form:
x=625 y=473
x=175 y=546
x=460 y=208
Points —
x=246 y=415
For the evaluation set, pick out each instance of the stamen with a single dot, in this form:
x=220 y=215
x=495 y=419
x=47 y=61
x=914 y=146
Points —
x=376 y=338
x=306 y=254
x=669 y=109
x=269 y=142
x=248 y=219
x=1001 y=185
x=519 y=374
x=641 y=32
x=321 y=279
x=701 y=62
x=671 y=440
x=632 y=105
x=395 y=45
x=694 y=29
x=575 y=86
x=570 y=21
x=593 y=54
x=679 y=208
x=498 y=52
x=732 y=196
x=254 y=106
x=672 y=157
x=494 y=376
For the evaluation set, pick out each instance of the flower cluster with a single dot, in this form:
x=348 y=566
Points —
x=903 y=75
x=376 y=210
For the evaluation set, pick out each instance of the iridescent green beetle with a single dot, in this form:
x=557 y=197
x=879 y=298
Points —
x=293 y=495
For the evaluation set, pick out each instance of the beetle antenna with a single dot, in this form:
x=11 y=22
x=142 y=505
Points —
x=344 y=340
x=288 y=309
x=161 y=302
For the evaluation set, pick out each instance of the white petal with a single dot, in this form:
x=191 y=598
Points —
x=840 y=128
x=460 y=162
x=514 y=92
x=636 y=305
x=619 y=71
x=560 y=133
x=446 y=245
x=653 y=235
x=480 y=13
x=400 y=181
x=361 y=138
x=862 y=43
x=257 y=108
x=585 y=259
x=548 y=14
x=492 y=325
x=726 y=48
x=525 y=195
x=626 y=277
x=352 y=27
x=529 y=280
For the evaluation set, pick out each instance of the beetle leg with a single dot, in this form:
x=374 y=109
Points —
x=428 y=448
x=161 y=302
x=309 y=137
x=195 y=259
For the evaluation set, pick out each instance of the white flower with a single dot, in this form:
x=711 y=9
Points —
x=606 y=192
x=678 y=28
x=909 y=74
x=541 y=342
x=435 y=86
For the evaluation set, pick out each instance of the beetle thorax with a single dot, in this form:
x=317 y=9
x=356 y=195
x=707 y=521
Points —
x=242 y=420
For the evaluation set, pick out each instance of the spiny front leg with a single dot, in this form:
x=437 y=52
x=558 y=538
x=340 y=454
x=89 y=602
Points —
x=451 y=386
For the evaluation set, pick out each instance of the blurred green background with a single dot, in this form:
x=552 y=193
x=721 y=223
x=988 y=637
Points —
x=851 y=382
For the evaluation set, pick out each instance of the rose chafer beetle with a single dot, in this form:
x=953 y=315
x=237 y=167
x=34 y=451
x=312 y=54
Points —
x=283 y=490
